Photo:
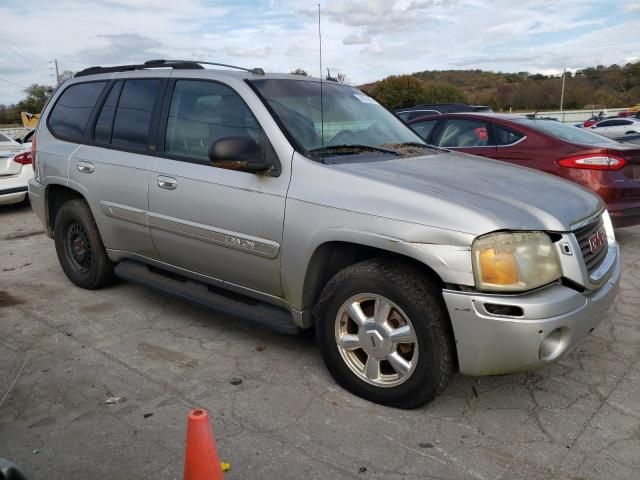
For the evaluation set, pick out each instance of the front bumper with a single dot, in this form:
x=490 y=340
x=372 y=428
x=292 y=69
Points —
x=554 y=319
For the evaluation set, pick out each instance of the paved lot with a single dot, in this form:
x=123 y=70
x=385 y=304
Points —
x=578 y=419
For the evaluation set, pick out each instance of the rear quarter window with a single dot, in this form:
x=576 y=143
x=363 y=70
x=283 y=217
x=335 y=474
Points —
x=71 y=112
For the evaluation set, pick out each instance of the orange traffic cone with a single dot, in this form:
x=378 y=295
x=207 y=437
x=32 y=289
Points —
x=201 y=455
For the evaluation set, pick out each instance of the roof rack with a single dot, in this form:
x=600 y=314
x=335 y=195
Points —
x=255 y=71
x=175 y=64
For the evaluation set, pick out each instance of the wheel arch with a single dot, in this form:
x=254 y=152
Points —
x=57 y=195
x=330 y=257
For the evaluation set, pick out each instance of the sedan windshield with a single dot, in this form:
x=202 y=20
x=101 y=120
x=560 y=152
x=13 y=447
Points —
x=344 y=122
x=565 y=132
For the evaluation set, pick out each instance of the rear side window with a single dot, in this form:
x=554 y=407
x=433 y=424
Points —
x=203 y=112
x=506 y=136
x=102 y=131
x=132 y=122
x=72 y=110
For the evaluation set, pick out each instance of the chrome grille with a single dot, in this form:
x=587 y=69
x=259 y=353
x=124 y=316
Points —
x=591 y=260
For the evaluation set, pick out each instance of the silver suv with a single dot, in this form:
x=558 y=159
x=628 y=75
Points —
x=295 y=203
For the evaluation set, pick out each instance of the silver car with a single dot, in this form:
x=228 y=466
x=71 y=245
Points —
x=294 y=203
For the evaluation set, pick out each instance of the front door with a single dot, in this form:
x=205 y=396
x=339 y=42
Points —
x=226 y=224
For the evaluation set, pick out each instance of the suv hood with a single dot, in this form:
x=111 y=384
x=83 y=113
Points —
x=470 y=194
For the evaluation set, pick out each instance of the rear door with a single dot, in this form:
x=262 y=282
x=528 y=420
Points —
x=511 y=146
x=112 y=167
x=226 y=224
x=467 y=135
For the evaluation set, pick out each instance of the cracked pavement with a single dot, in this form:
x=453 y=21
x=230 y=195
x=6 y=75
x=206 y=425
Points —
x=576 y=419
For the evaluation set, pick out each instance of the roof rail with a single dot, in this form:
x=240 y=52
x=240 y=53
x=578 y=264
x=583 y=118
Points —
x=255 y=71
x=175 y=64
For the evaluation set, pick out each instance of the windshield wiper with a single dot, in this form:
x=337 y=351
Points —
x=350 y=149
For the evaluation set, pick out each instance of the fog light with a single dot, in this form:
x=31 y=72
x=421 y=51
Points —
x=555 y=344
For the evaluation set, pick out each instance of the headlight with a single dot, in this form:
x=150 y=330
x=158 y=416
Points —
x=514 y=261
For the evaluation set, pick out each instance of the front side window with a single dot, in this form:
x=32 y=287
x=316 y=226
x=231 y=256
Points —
x=132 y=122
x=72 y=110
x=464 y=133
x=202 y=112
x=424 y=128
x=343 y=117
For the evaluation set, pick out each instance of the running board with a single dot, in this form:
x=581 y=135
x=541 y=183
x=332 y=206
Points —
x=217 y=299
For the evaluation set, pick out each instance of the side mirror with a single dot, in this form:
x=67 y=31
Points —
x=238 y=153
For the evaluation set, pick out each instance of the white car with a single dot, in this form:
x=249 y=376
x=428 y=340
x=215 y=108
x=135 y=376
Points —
x=616 y=127
x=16 y=168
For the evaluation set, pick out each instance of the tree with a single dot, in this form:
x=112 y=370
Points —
x=398 y=91
x=300 y=71
x=36 y=97
x=66 y=75
x=440 y=93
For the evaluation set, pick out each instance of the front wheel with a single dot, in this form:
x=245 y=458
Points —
x=384 y=334
x=79 y=246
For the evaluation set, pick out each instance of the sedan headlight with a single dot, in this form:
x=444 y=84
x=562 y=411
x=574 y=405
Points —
x=514 y=261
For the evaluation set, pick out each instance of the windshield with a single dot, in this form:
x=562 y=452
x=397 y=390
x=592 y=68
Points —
x=348 y=118
x=565 y=132
x=4 y=138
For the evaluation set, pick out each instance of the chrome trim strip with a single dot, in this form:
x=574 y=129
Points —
x=255 y=245
x=598 y=274
x=490 y=146
x=514 y=143
x=124 y=212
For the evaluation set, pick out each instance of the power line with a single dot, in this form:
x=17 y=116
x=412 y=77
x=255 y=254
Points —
x=13 y=83
x=19 y=48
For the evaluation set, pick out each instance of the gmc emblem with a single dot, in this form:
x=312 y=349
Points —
x=596 y=241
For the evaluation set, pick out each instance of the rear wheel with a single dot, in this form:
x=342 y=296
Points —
x=384 y=334
x=79 y=246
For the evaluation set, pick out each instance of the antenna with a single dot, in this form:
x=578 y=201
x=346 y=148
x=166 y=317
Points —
x=321 y=99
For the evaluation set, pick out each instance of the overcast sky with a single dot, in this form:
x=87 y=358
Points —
x=366 y=40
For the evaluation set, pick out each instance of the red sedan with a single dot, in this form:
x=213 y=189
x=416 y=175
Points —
x=608 y=167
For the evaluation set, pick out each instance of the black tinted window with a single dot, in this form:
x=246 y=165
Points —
x=102 y=131
x=133 y=115
x=506 y=136
x=423 y=128
x=203 y=112
x=71 y=112
x=464 y=133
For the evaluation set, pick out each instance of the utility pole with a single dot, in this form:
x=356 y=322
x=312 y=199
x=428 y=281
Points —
x=55 y=61
x=564 y=70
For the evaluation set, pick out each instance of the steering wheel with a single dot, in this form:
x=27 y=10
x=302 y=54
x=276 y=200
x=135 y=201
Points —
x=343 y=137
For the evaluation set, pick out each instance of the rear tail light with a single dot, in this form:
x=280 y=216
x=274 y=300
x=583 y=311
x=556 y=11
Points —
x=594 y=161
x=23 y=159
x=33 y=156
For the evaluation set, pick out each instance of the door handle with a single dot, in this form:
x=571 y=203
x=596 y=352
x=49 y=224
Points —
x=167 y=183
x=85 y=167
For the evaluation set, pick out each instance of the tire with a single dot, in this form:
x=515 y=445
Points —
x=414 y=295
x=79 y=246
